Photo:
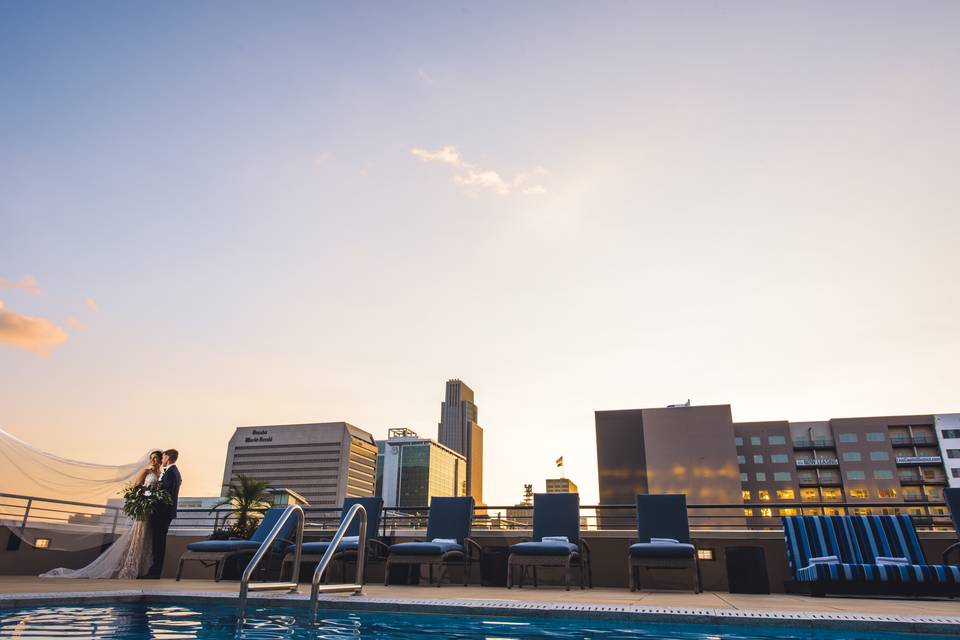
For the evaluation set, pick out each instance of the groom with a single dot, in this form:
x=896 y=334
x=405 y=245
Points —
x=163 y=514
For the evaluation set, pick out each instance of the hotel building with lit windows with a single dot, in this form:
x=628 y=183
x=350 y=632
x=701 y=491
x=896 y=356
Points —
x=874 y=460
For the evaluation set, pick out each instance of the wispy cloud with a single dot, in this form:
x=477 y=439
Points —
x=474 y=178
x=25 y=283
x=91 y=304
x=25 y=332
x=75 y=323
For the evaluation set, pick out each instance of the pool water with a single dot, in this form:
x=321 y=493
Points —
x=143 y=621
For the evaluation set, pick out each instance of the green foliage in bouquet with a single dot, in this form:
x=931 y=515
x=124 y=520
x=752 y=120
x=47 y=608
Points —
x=139 y=501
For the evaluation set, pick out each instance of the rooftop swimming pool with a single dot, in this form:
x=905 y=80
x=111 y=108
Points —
x=140 y=621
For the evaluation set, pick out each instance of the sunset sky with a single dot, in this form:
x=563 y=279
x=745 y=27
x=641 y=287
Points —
x=222 y=214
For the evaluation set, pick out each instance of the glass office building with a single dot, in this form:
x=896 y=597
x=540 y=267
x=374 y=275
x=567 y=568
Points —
x=411 y=470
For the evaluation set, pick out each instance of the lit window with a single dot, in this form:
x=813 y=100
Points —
x=852 y=456
x=754 y=439
x=788 y=511
x=887 y=493
x=704 y=554
x=781 y=476
x=758 y=459
x=761 y=476
x=848 y=437
x=42 y=543
x=809 y=494
x=858 y=493
x=766 y=512
x=934 y=493
x=832 y=511
x=764 y=495
x=745 y=495
x=862 y=511
x=776 y=440
x=876 y=436
x=785 y=494
x=831 y=494
x=882 y=474
x=748 y=512
x=779 y=458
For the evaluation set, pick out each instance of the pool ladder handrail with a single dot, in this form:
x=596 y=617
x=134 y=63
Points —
x=268 y=542
x=357 y=588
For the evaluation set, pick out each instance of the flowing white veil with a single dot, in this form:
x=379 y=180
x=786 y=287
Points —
x=67 y=504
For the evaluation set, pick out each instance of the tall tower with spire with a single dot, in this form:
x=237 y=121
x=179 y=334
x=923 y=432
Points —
x=458 y=429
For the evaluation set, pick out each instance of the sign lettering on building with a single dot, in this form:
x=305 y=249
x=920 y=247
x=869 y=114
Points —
x=259 y=435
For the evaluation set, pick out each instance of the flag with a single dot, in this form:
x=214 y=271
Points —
x=560 y=461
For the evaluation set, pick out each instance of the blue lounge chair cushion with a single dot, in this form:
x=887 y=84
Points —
x=319 y=548
x=223 y=546
x=543 y=548
x=657 y=550
x=424 y=548
x=908 y=573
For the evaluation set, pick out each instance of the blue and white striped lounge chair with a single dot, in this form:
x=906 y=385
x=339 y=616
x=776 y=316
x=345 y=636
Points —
x=215 y=553
x=663 y=531
x=347 y=551
x=448 y=540
x=556 y=541
x=867 y=555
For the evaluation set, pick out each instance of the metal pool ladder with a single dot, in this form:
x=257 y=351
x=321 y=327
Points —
x=268 y=542
x=357 y=588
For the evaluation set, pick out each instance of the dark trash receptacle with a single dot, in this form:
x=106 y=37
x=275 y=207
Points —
x=747 y=570
x=404 y=573
x=493 y=566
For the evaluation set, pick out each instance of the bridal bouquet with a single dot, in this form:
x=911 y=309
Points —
x=139 y=501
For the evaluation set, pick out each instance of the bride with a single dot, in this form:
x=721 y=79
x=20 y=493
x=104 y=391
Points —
x=130 y=556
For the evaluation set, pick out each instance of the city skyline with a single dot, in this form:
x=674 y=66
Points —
x=213 y=217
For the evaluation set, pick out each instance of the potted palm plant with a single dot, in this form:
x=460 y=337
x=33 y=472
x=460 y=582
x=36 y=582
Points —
x=247 y=497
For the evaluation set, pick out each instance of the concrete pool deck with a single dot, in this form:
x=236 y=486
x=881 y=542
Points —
x=921 y=616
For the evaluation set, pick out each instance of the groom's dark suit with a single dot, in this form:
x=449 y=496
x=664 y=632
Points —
x=162 y=516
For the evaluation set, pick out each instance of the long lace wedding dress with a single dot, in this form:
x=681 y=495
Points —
x=129 y=557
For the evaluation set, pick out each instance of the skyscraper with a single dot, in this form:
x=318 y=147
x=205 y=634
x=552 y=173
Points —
x=458 y=430
x=411 y=470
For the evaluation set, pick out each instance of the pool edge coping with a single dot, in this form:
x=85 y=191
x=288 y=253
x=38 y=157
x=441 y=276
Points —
x=922 y=624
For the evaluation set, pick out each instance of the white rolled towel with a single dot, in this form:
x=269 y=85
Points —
x=563 y=539
x=443 y=541
x=825 y=560
x=664 y=541
x=891 y=560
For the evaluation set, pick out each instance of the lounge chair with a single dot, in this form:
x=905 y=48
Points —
x=952 y=496
x=556 y=516
x=863 y=555
x=448 y=541
x=663 y=532
x=347 y=551
x=215 y=553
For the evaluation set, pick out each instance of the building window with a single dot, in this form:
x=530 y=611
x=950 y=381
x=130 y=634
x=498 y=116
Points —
x=876 y=436
x=739 y=441
x=863 y=511
x=955 y=472
x=856 y=475
x=761 y=476
x=766 y=512
x=744 y=477
x=781 y=476
x=748 y=512
x=779 y=458
x=882 y=474
x=879 y=455
x=848 y=437
x=757 y=459
x=831 y=494
x=852 y=456
x=887 y=493
x=741 y=459
x=934 y=493
x=745 y=495
x=953 y=453
x=811 y=495
x=949 y=434
x=776 y=440
x=788 y=511
x=858 y=493
x=764 y=495
x=785 y=494
x=754 y=439
x=832 y=511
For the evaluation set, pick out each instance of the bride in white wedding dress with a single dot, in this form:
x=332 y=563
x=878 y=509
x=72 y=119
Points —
x=130 y=555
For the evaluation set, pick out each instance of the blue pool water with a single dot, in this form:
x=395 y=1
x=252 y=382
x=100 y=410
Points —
x=163 y=622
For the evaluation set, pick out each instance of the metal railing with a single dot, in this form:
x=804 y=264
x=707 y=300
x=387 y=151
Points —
x=268 y=542
x=20 y=512
x=357 y=587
